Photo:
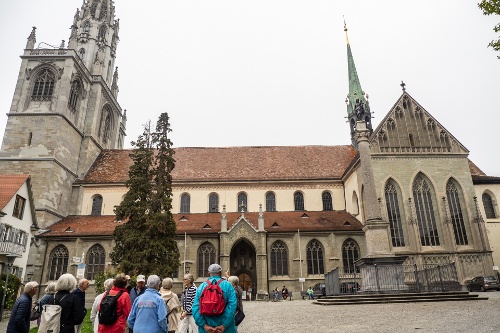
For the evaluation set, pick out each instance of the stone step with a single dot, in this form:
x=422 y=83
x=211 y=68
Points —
x=398 y=298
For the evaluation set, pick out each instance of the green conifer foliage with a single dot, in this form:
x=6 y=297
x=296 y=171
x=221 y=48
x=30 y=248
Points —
x=145 y=244
x=492 y=7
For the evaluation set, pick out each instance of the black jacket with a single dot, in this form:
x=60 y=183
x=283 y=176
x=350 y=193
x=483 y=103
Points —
x=19 y=321
x=72 y=312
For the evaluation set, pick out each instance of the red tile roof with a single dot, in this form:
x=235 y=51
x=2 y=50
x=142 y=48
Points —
x=474 y=169
x=79 y=226
x=236 y=164
x=9 y=185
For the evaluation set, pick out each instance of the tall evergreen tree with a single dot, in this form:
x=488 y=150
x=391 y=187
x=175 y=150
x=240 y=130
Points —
x=145 y=244
x=492 y=7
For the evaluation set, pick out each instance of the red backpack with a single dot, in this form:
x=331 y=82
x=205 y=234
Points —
x=212 y=302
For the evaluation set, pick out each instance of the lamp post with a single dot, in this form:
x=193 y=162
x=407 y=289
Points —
x=10 y=262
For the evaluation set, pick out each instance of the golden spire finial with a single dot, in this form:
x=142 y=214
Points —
x=345 y=29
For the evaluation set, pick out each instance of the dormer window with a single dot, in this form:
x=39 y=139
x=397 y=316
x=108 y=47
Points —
x=19 y=207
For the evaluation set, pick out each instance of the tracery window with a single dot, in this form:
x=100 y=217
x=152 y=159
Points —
x=44 y=86
x=206 y=257
x=326 y=197
x=86 y=27
x=58 y=262
x=279 y=259
x=489 y=209
x=456 y=213
x=394 y=214
x=270 y=202
x=298 y=200
x=185 y=203
x=96 y=205
x=95 y=261
x=242 y=202
x=73 y=95
x=213 y=203
x=314 y=255
x=102 y=33
x=424 y=208
x=350 y=253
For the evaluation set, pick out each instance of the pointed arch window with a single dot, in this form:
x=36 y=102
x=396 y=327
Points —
x=489 y=208
x=326 y=197
x=270 y=202
x=298 y=200
x=279 y=259
x=394 y=214
x=350 y=253
x=424 y=208
x=355 y=203
x=314 y=255
x=44 y=86
x=206 y=257
x=96 y=205
x=242 y=202
x=213 y=203
x=101 y=36
x=95 y=261
x=73 y=95
x=456 y=214
x=185 y=203
x=58 y=262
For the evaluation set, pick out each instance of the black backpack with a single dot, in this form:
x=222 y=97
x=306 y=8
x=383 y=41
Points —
x=107 y=309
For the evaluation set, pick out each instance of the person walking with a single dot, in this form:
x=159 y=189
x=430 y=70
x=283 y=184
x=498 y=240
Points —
x=19 y=321
x=72 y=311
x=123 y=306
x=83 y=284
x=186 y=318
x=225 y=321
x=172 y=303
x=149 y=313
x=94 y=318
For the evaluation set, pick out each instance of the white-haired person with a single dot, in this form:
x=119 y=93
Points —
x=19 y=321
x=235 y=281
x=72 y=312
x=83 y=284
x=225 y=321
x=149 y=313
x=187 y=299
x=49 y=291
x=172 y=303
x=108 y=284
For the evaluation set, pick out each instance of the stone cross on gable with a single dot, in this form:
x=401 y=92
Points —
x=403 y=85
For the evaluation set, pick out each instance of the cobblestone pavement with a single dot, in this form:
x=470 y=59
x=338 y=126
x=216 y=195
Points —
x=302 y=316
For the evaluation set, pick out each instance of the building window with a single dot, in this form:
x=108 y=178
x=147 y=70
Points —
x=19 y=207
x=105 y=124
x=73 y=95
x=102 y=33
x=350 y=253
x=95 y=261
x=279 y=259
x=456 y=215
x=86 y=27
x=314 y=257
x=213 y=203
x=185 y=203
x=81 y=53
x=58 y=262
x=298 y=200
x=355 y=203
x=206 y=257
x=489 y=209
x=270 y=202
x=424 y=208
x=44 y=86
x=242 y=202
x=327 y=200
x=394 y=214
x=96 y=205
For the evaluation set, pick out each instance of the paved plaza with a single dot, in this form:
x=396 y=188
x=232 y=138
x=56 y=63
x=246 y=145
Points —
x=302 y=316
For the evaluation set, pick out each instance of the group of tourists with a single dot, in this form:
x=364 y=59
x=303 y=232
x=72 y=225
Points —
x=151 y=306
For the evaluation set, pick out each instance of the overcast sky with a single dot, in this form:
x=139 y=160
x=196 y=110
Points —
x=260 y=73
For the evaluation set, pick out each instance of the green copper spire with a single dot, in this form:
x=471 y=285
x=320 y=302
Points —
x=358 y=108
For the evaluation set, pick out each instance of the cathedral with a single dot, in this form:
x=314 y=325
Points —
x=271 y=215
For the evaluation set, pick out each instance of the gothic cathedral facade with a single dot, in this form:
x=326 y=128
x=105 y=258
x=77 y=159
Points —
x=271 y=215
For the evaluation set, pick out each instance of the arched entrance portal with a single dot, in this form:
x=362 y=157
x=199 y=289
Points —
x=242 y=260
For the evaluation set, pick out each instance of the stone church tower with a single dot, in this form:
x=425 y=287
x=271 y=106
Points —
x=64 y=111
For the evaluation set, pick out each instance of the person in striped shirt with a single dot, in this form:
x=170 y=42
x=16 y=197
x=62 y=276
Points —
x=187 y=320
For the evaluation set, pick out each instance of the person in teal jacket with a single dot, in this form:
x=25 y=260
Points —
x=224 y=322
x=149 y=313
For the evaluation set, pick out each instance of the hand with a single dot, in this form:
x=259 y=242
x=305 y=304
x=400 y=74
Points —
x=183 y=315
x=209 y=329
x=219 y=329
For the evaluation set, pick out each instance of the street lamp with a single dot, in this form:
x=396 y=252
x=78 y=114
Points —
x=10 y=262
x=188 y=266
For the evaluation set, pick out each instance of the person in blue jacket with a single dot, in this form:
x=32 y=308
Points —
x=149 y=313
x=224 y=322
x=19 y=321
